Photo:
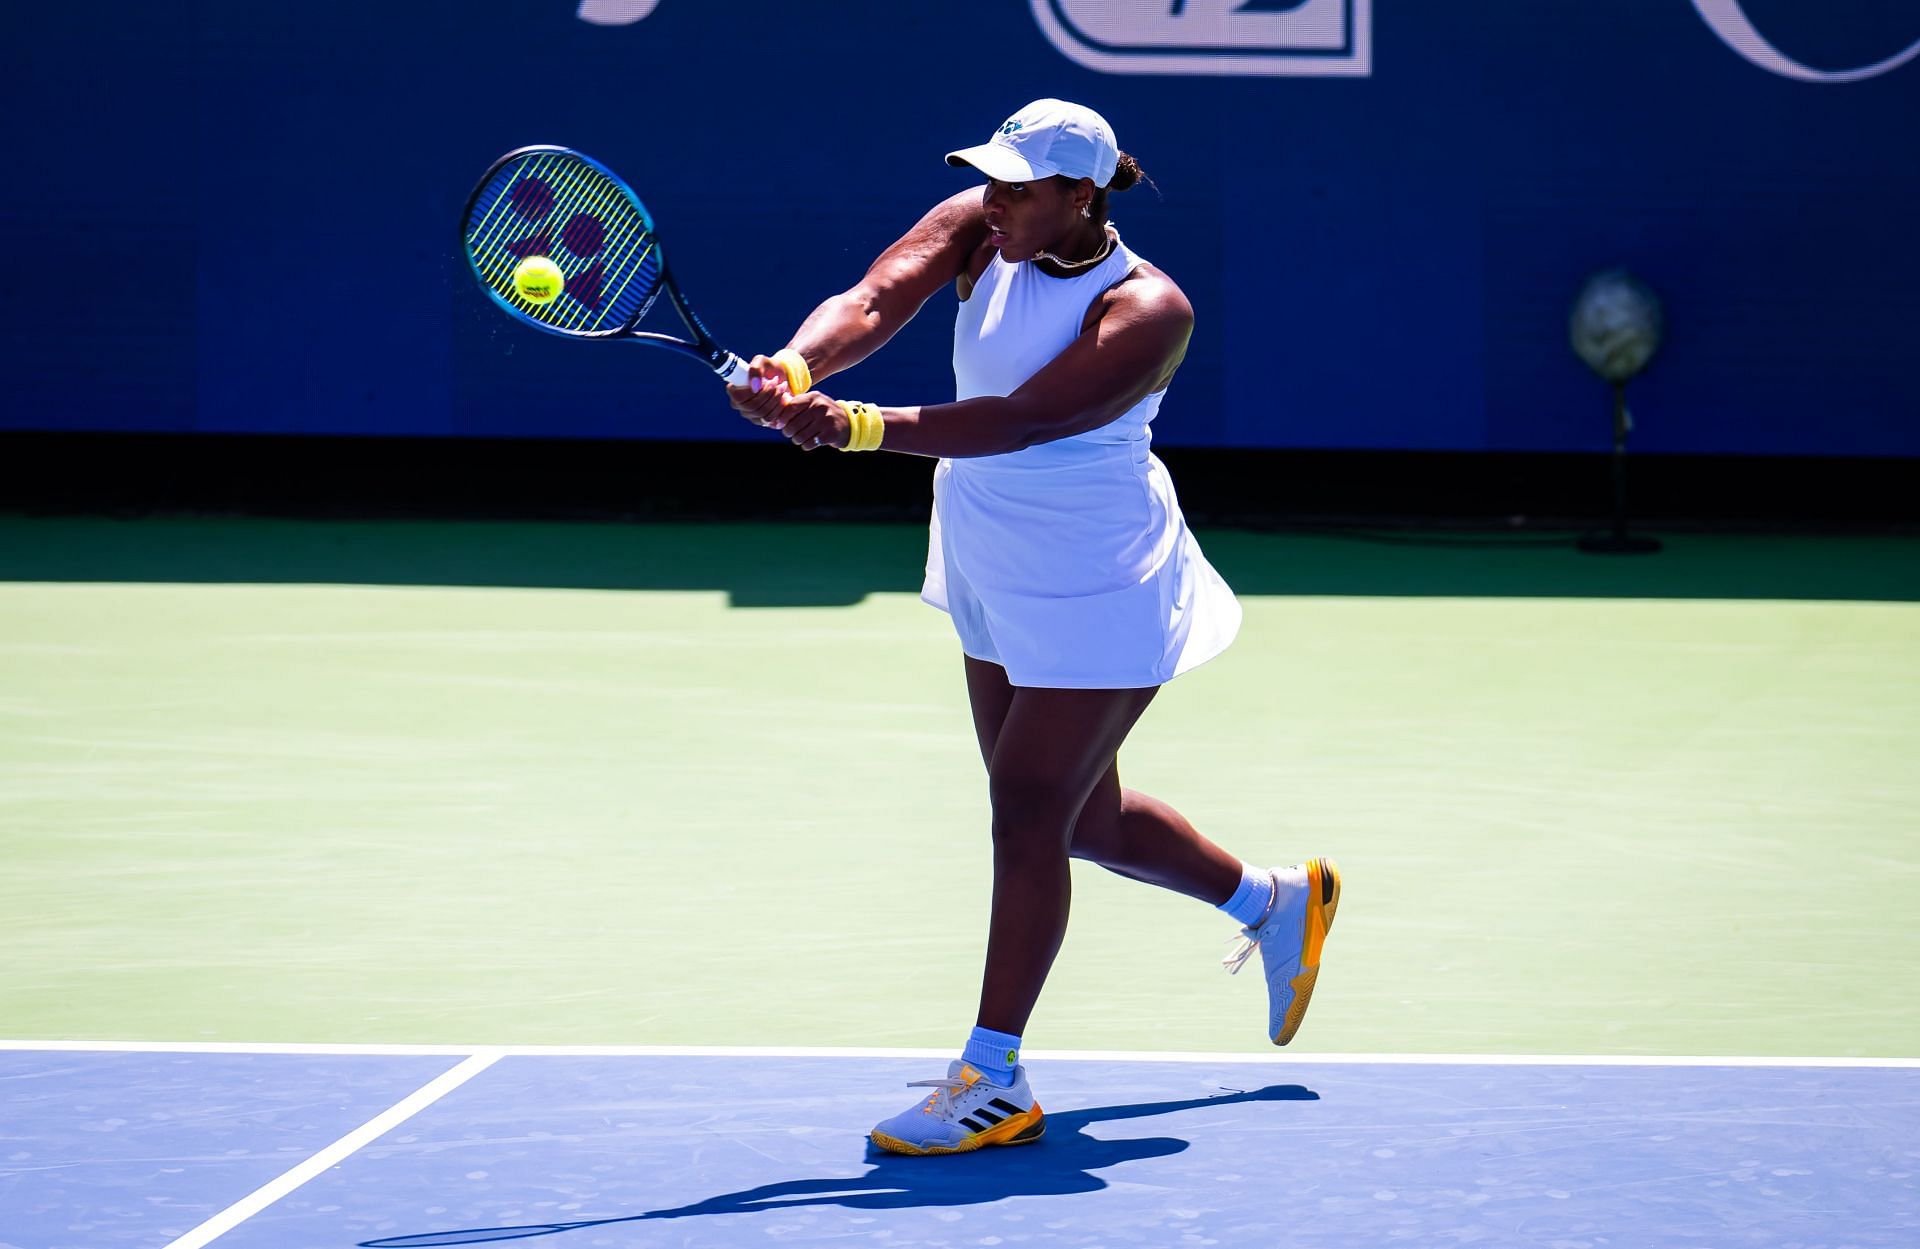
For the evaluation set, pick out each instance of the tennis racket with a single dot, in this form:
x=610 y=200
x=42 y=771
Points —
x=554 y=204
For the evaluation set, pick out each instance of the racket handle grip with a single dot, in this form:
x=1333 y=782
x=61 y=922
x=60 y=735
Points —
x=733 y=371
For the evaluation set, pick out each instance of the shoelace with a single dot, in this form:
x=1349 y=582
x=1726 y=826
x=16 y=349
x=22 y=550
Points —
x=946 y=1083
x=1249 y=942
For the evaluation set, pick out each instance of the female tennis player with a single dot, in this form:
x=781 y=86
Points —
x=1060 y=551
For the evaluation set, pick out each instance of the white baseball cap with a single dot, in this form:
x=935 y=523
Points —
x=1045 y=138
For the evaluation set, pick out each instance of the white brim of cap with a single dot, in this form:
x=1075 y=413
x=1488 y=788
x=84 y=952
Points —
x=1000 y=163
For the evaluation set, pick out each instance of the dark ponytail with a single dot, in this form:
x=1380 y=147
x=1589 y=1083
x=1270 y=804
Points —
x=1127 y=174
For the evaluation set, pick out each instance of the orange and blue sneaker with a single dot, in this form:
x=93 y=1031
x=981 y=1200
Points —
x=1290 y=940
x=965 y=1111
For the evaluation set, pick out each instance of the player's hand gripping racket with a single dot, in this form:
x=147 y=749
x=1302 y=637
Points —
x=564 y=245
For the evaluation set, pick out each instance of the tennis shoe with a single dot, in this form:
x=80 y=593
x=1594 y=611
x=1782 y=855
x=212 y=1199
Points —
x=965 y=1111
x=1290 y=940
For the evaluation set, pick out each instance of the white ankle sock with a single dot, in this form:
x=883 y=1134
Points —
x=1253 y=899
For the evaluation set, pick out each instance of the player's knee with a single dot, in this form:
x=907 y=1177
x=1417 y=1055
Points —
x=1031 y=813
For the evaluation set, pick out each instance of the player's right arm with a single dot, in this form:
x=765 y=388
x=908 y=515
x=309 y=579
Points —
x=852 y=325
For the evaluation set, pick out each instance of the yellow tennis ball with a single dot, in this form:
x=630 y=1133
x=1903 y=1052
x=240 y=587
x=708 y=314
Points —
x=538 y=280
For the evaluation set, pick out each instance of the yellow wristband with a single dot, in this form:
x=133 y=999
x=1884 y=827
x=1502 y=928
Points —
x=856 y=424
x=799 y=376
x=865 y=426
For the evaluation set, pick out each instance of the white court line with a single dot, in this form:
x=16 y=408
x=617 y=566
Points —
x=1039 y=1055
x=260 y=1198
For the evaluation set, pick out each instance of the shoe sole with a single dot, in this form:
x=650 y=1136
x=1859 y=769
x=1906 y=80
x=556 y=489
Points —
x=1323 y=899
x=1018 y=1130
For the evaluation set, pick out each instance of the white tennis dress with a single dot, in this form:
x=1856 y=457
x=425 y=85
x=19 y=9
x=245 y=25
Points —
x=1069 y=563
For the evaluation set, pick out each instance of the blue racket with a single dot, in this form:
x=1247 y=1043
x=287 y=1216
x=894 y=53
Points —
x=561 y=243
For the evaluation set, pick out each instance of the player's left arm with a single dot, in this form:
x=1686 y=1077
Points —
x=1128 y=352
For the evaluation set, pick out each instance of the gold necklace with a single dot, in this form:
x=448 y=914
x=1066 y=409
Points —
x=1106 y=249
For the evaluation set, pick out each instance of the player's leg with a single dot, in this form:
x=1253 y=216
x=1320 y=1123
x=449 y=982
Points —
x=1123 y=830
x=1138 y=836
x=1285 y=913
x=1046 y=749
x=989 y=695
x=1053 y=747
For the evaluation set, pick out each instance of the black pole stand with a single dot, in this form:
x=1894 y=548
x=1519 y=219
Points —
x=1619 y=541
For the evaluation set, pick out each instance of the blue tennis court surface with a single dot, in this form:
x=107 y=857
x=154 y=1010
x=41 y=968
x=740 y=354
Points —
x=103 y=1150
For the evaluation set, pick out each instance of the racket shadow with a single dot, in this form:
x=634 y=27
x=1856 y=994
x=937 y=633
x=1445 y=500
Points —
x=1062 y=1165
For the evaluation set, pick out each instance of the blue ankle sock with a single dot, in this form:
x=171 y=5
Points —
x=993 y=1054
x=1253 y=899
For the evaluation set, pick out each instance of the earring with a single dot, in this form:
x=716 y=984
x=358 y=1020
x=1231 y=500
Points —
x=1086 y=211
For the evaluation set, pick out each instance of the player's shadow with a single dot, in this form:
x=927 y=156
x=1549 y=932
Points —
x=1062 y=1164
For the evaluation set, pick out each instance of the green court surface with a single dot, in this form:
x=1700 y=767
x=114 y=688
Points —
x=577 y=783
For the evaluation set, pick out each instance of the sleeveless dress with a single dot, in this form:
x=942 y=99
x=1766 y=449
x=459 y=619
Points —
x=1068 y=563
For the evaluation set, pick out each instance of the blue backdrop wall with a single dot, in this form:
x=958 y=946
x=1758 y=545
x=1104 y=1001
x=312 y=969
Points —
x=241 y=217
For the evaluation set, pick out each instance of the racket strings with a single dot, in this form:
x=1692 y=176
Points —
x=560 y=207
